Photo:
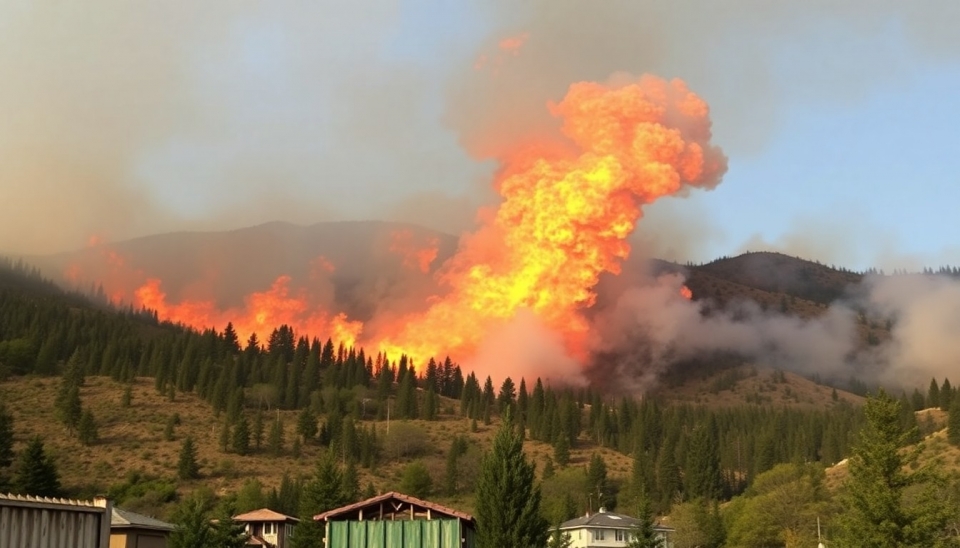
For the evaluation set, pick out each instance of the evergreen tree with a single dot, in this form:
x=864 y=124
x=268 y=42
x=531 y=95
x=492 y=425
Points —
x=228 y=533
x=225 y=436
x=275 y=438
x=878 y=515
x=258 y=428
x=6 y=437
x=241 y=436
x=187 y=467
x=507 y=496
x=323 y=492
x=307 y=424
x=69 y=409
x=643 y=534
x=953 y=423
x=36 y=474
x=702 y=473
x=87 y=428
x=192 y=522
x=561 y=451
x=946 y=395
x=933 y=394
x=430 y=405
x=559 y=539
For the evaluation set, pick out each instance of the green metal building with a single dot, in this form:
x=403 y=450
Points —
x=395 y=520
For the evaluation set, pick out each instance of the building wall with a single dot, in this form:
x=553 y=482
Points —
x=138 y=539
x=28 y=522
x=436 y=533
x=585 y=537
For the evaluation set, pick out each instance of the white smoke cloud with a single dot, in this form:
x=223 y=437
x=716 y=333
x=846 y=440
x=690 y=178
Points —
x=652 y=327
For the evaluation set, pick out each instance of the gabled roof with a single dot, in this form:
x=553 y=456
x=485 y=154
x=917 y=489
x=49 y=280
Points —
x=347 y=512
x=264 y=514
x=125 y=519
x=604 y=518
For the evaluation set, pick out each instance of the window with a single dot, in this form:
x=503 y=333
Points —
x=619 y=534
x=598 y=534
x=269 y=529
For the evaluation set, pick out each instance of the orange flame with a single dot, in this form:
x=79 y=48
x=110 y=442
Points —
x=565 y=218
x=414 y=256
x=686 y=293
x=262 y=312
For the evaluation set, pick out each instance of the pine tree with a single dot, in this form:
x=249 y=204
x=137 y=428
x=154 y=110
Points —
x=561 y=451
x=307 y=424
x=933 y=394
x=644 y=534
x=187 y=467
x=258 y=428
x=68 y=404
x=6 y=437
x=877 y=513
x=36 y=474
x=430 y=405
x=323 y=492
x=275 y=438
x=507 y=496
x=87 y=428
x=953 y=422
x=702 y=473
x=559 y=539
x=225 y=436
x=241 y=436
x=227 y=533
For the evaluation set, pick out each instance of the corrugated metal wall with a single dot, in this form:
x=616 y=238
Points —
x=27 y=525
x=437 y=533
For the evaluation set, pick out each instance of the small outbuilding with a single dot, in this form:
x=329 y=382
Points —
x=396 y=520
x=132 y=530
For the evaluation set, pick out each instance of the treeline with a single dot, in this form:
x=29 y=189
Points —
x=337 y=388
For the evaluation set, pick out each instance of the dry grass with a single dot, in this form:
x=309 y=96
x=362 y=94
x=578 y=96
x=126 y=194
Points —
x=131 y=439
x=754 y=384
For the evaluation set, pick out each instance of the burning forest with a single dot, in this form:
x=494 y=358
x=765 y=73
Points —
x=568 y=203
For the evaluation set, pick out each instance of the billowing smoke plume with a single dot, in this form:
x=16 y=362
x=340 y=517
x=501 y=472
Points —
x=651 y=327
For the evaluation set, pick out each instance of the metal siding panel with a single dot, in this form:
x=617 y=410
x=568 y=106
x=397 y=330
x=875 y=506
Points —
x=431 y=534
x=358 y=534
x=25 y=526
x=339 y=535
x=394 y=534
x=412 y=534
x=376 y=534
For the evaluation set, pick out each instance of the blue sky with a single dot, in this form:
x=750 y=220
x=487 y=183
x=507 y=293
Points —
x=838 y=121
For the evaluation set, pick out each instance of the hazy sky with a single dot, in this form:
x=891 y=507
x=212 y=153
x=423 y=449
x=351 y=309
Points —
x=122 y=118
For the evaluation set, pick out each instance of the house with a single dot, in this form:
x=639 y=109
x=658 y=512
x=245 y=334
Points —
x=41 y=522
x=132 y=530
x=606 y=529
x=267 y=528
x=398 y=521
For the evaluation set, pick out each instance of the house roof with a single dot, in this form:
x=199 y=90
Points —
x=264 y=514
x=125 y=519
x=604 y=518
x=98 y=504
x=346 y=511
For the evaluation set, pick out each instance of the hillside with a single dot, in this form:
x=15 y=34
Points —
x=131 y=444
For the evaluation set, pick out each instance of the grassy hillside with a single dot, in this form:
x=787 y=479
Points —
x=132 y=441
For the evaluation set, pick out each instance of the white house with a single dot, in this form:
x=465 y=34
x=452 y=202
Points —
x=606 y=529
x=267 y=528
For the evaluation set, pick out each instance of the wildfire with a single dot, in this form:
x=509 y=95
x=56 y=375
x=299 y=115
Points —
x=686 y=293
x=414 y=255
x=564 y=219
x=262 y=312
x=568 y=206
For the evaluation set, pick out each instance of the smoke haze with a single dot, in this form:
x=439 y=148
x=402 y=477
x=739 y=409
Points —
x=122 y=121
